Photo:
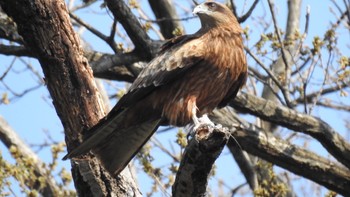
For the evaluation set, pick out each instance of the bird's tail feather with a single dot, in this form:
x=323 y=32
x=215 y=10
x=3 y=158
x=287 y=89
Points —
x=104 y=130
x=115 y=141
x=123 y=145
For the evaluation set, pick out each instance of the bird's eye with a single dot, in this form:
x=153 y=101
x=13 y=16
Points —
x=211 y=4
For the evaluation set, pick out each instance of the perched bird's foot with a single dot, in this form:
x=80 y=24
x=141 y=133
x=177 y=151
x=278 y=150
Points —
x=204 y=127
x=203 y=121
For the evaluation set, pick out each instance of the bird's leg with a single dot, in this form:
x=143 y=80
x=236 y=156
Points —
x=200 y=124
x=205 y=120
x=194 y=116
x=202 y=121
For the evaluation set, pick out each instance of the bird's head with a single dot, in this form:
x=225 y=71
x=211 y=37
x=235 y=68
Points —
x=213 y=14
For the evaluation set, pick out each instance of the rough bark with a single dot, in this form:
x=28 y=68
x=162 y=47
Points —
x=47 y=31
x=197 y=161
x=262 y=144
x=291 y=119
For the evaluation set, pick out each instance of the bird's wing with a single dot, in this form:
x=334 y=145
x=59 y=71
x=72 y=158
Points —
x=240 y=81
x=176 y=56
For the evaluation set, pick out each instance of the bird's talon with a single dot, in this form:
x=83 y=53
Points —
x=218 y=126
x=203 y=130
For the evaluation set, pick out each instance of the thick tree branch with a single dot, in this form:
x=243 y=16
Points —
x=197 y=161
x=109 y=40
x=47 y=31
x=165 y=12
x=121 y=66
x=246 y=162
x=295 y=159
x=133 y=28
x=15 y=51
x=103 y=62
x=8 y=29
x=315 y=127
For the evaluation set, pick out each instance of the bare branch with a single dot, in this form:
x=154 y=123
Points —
x=99 y=34
x=315 y=127
x=15 y=51
x=310 y=97
x=299 y=161
x=132 y=26
x=85 y=4
x=120 y=66
x=247 y=163
x=8 y=29
x=279 y=68
x=333 y=106
x=249 y=12
x=284 y=57
x=197 y=161
x=164 y=9
x=271 y=75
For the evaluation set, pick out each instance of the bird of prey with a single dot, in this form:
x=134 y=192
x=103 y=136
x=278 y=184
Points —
x=190 y=77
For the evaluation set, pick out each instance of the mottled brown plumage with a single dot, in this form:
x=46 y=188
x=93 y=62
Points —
x=191 y=76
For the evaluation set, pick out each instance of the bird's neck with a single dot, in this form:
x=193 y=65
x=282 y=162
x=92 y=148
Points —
x=224 y=47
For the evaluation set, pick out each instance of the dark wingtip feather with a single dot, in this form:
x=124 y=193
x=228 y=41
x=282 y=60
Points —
x=66 y=157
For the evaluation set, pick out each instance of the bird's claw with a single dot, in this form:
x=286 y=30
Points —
x=204 y=127
x=202 y=121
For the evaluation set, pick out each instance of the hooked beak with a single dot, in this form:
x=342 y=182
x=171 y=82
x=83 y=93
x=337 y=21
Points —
x=199 y=9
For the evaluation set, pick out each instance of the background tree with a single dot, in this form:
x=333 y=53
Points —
x=290 y=123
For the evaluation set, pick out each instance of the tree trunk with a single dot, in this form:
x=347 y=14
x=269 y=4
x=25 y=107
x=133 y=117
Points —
x=47 y=31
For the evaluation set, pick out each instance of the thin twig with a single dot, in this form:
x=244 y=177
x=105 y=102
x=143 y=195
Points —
x=274 y=79
x=325 y=91
x=284 y=57
x=108 y=39
x=249 y=12
x=8 y=69
x=278 y=34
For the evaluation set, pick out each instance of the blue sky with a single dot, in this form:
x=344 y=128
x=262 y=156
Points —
x=33 y=114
